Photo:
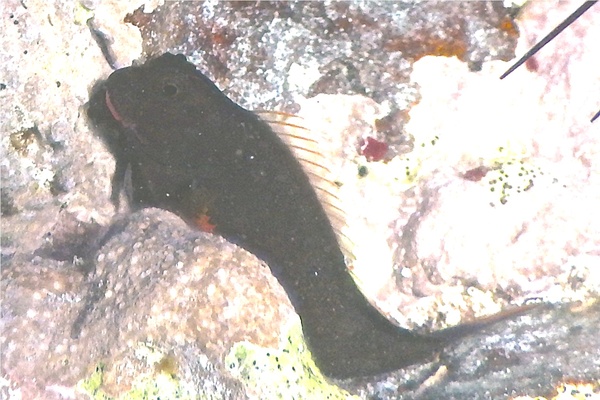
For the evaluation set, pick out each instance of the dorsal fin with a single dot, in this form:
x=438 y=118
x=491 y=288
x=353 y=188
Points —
x=306 y=147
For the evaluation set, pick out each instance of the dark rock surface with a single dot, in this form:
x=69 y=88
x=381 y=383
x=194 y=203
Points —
x=531 y=357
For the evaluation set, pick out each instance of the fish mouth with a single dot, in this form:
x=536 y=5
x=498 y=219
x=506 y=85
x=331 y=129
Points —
x=124 y=122
x=116 y=115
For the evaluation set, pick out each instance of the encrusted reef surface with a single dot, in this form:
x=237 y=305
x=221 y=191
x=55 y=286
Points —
x=463 y=194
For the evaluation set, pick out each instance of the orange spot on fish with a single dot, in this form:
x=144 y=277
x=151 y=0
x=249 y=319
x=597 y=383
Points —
x=204 y=224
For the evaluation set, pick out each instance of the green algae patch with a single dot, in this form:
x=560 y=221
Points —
x=92 y=385
x=161 y=386
x=287 y=372
x=155 y=382
x=511 y=177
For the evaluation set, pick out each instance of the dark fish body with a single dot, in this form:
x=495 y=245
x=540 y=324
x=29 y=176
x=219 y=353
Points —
x=192 y=151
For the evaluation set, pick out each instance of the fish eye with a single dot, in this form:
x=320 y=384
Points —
x=169 y=89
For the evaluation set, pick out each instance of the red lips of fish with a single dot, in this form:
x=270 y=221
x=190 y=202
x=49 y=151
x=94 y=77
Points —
x=116 y=115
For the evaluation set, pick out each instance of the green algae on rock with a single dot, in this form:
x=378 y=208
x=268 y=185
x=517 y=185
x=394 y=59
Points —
x=154 y=383
x=284 y=372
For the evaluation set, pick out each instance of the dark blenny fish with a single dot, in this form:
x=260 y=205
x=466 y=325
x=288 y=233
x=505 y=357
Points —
x=221 y=168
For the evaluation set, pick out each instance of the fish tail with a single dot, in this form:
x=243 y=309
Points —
x=473 y=327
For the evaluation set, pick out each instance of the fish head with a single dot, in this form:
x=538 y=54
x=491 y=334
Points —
x=169 y=110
